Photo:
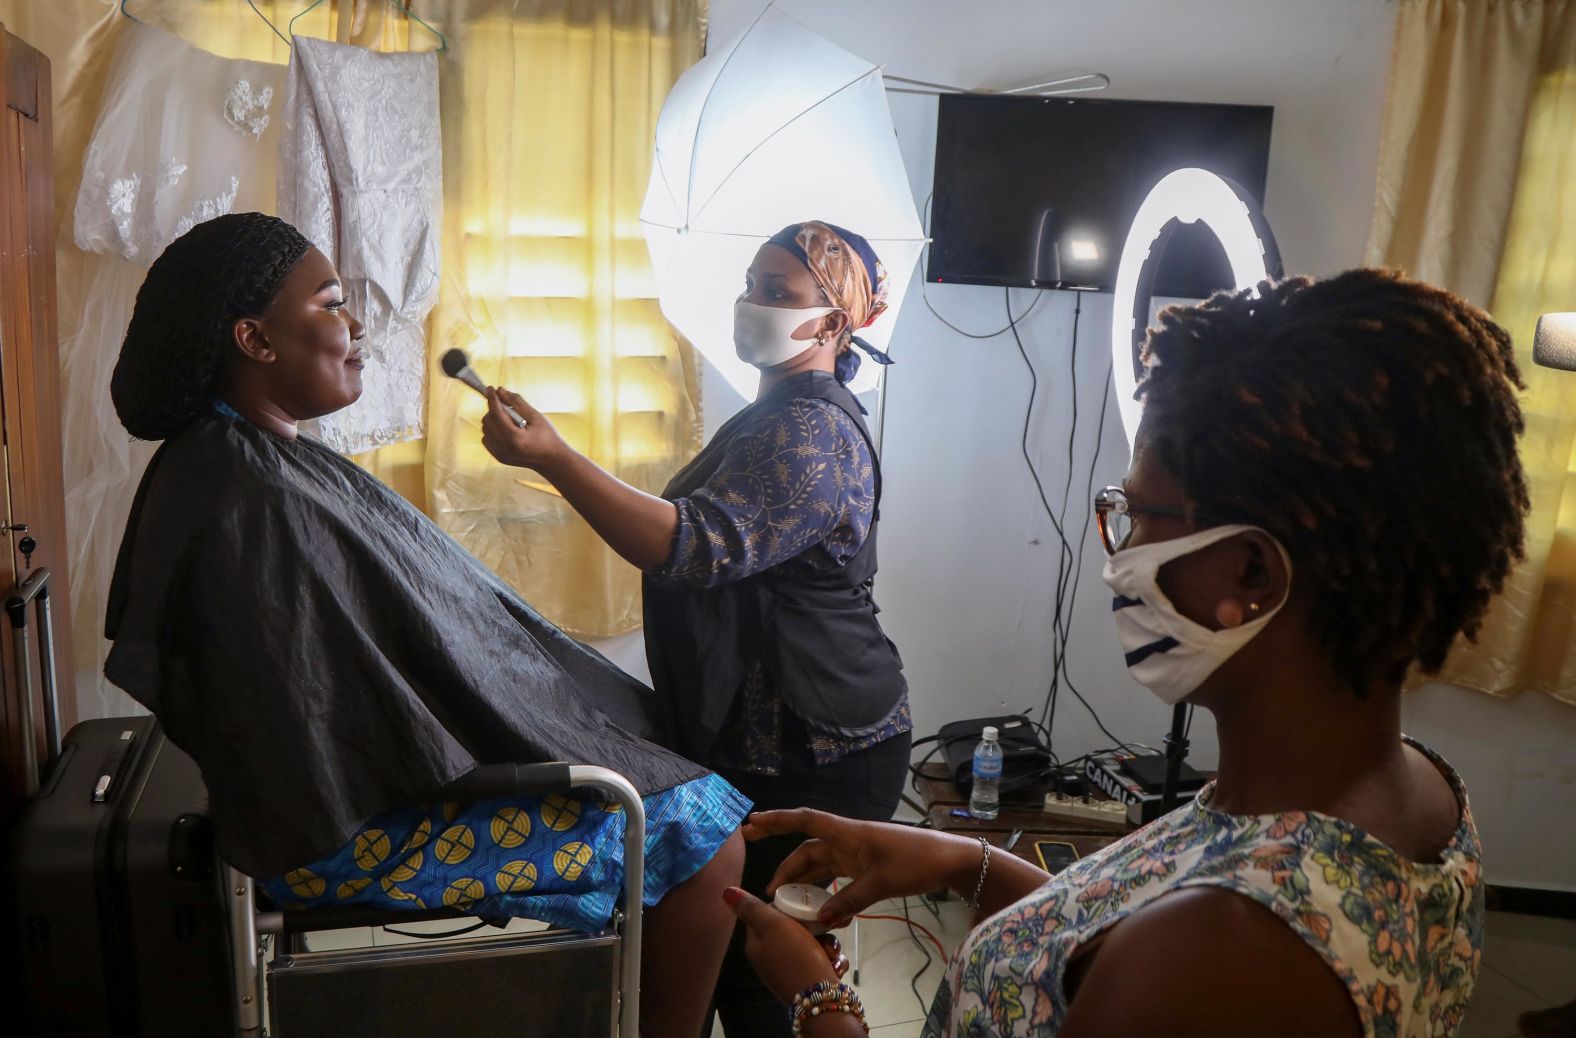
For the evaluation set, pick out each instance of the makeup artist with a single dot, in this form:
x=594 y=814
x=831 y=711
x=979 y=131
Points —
x=759 y=558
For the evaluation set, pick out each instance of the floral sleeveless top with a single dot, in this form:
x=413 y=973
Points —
x=1405 y=937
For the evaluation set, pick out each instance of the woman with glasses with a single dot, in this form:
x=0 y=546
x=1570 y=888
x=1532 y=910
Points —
x=1325 y=493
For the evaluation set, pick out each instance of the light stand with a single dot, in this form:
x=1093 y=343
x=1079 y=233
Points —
x=1184 y=196
x=1176 y=753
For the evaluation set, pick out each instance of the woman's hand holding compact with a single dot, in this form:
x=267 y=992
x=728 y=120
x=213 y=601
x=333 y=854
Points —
x=785 y=954
x=882 y=860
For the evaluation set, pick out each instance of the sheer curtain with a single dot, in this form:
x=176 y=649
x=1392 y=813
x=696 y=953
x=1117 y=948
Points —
x=1477 y=192
x=101 y=463
x=548 y=108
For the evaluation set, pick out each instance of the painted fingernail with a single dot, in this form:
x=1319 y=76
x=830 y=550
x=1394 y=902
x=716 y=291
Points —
x=732 y=896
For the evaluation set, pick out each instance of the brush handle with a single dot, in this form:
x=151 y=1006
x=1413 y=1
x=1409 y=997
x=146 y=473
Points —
x=470 y=378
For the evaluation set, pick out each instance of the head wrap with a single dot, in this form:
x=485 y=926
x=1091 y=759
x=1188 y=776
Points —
x=202 y=283
x=847 y=269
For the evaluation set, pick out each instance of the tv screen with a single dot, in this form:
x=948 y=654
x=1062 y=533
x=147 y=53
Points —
x=1039 y=192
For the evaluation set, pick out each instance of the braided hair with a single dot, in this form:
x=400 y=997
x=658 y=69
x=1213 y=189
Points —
x=1370 y=423
x=182 y=329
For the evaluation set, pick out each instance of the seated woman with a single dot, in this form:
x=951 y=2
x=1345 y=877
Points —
x=1325 y=493
x=332 y=660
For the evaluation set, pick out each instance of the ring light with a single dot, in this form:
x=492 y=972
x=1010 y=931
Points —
x=1184 y=196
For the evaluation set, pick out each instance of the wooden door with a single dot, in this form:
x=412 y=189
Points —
x=32 y=489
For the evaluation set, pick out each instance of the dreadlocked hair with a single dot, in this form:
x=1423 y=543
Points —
x=181 y=330
x=1370 y=423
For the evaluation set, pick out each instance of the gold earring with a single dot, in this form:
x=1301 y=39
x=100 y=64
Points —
x=1254 y=607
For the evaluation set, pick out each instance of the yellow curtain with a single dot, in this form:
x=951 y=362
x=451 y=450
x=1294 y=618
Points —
x=1477 y=193
x=548 y=110
x=548 y=286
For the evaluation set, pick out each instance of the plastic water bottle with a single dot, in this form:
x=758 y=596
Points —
x=984 y=797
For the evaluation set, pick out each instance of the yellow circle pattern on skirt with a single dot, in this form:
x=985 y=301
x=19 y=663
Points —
x=554 y=858
x=458 y=856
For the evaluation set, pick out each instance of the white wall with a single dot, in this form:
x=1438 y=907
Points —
x=1519 y=760
x=968 y=557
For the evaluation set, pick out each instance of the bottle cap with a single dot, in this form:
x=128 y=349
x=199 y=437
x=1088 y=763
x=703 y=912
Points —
x=988 y=733
x=802 y=902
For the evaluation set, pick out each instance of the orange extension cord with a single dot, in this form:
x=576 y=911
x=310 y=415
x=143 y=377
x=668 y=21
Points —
x=903 y=919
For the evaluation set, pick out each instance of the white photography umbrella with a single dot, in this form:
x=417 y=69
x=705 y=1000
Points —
x=777 y=126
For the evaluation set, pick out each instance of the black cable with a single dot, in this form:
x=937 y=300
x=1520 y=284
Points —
x=436 y=936
x=1072 y=377
x=1059 y=597
x=1028 y=416
x=1098 y=723
x=1069 y=569
x=1078 y=573
x=1067 y=489
x=914 y=769
x=943 y=742
x=974 y=335
x=1094 y=459
x=1061 y=626
x=1061 y=622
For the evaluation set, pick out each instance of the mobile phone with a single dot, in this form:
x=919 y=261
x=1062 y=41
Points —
x=1055 y=855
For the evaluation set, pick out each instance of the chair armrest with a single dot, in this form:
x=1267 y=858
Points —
x=500 y=780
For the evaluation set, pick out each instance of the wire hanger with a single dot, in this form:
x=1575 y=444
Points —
x=268 y=23
x=291 y=27
x=443 y=41
x=249 y=3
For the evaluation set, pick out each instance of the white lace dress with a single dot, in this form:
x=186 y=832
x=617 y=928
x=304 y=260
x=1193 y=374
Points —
x=183 y=136
x=360 y=174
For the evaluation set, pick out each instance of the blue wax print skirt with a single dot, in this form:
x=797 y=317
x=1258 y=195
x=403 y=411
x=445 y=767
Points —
x=558 y=859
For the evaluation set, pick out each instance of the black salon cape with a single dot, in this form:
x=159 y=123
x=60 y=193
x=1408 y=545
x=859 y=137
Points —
x=325 y=652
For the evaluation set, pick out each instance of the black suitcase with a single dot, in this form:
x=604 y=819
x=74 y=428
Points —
x=118 y=898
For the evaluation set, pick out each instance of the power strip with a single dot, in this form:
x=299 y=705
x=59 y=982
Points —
x=1105 y=813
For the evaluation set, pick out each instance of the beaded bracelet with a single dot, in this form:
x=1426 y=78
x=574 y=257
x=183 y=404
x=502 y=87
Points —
x=827 y=997
x=979 y=887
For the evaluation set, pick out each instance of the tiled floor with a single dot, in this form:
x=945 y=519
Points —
x=893 y=965
x=1529 y=963
x=889 y=959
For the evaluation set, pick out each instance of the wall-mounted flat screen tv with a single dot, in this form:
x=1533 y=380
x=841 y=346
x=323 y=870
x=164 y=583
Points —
x=1039 y=192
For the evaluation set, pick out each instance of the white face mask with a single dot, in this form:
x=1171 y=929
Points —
x=763 y=335
x=1167 y=653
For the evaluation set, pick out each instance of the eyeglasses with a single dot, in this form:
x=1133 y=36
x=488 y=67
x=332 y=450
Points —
x=1113 y=517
